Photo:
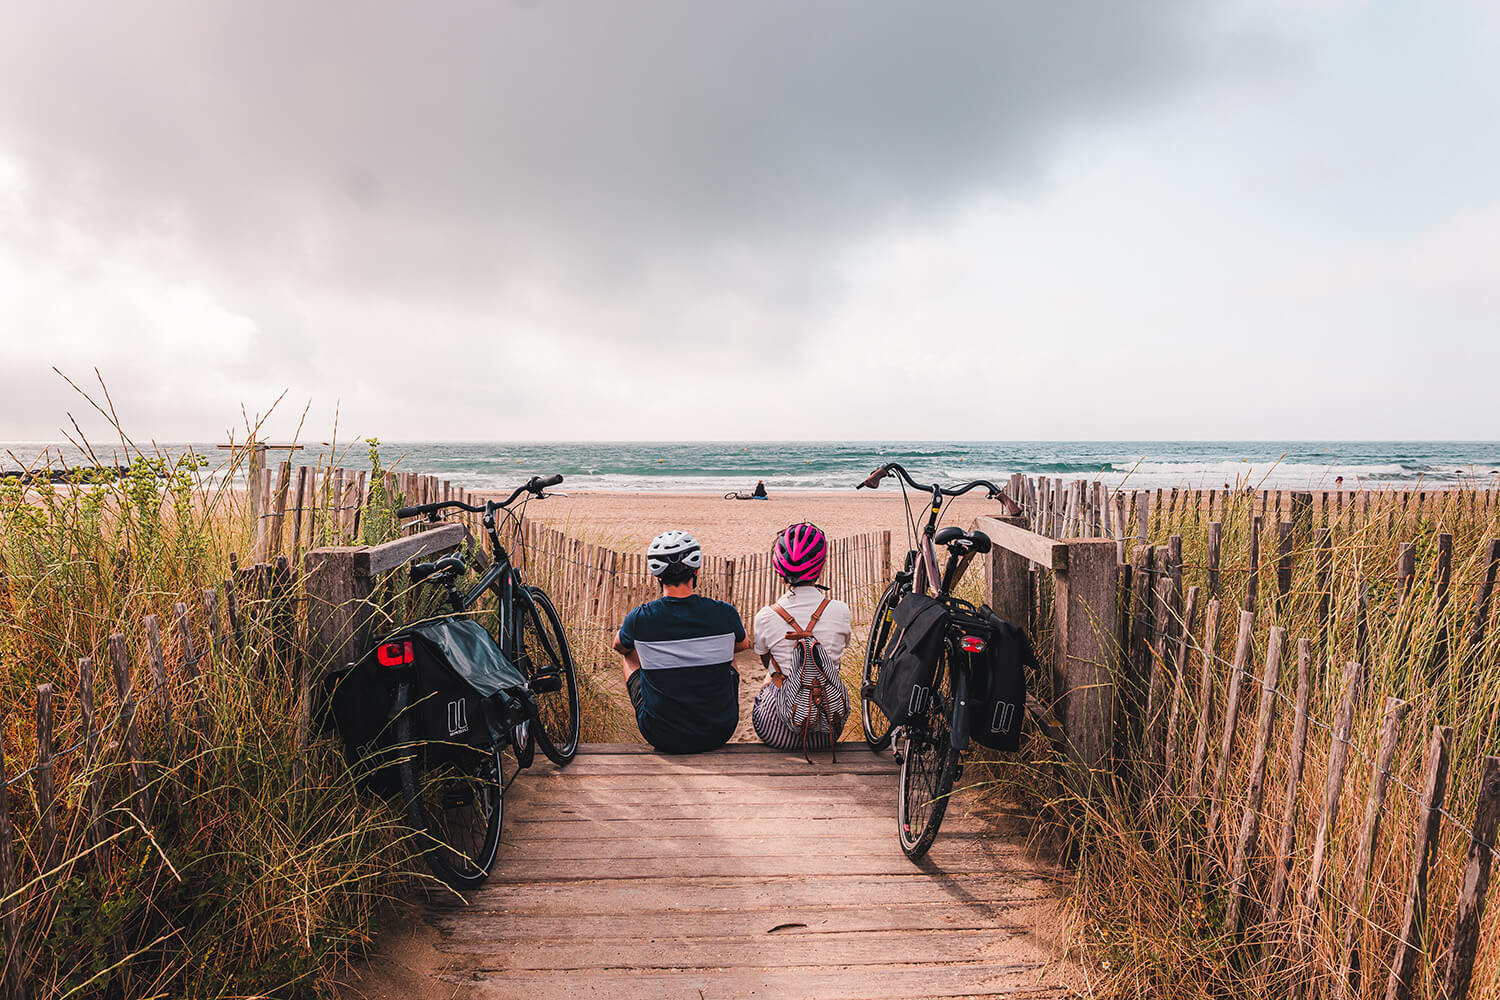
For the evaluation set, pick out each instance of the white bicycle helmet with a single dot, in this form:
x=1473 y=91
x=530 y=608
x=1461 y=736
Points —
x=672 y=547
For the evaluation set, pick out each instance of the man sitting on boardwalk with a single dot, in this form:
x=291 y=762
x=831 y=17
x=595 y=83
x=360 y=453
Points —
x=679 y=655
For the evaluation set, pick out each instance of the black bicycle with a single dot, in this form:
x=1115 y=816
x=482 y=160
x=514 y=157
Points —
x=930 y=742
x=455 y=798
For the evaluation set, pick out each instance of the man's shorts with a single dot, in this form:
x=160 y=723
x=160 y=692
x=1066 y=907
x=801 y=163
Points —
x=633 y=685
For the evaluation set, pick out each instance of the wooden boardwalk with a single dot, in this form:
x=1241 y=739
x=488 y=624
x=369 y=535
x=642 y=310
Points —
x=743 y=873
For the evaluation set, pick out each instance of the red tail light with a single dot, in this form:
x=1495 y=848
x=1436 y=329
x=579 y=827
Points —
x=395 y=654
x=971 y=644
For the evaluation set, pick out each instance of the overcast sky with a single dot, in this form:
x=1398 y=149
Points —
x=799 y=219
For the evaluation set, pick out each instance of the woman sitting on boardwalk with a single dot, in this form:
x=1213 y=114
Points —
x=804 y=703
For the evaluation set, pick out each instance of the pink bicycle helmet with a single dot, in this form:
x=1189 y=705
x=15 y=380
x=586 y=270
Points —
x=799 y=553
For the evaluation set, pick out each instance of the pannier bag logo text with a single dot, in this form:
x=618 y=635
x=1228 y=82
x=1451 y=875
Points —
x=458 y=716
x=1005 y=713
x=918 y=700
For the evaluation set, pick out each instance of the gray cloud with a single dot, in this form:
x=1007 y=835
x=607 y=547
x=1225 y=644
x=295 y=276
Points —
x=389 y=148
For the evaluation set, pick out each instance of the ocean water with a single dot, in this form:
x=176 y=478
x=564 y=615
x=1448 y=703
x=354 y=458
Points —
x=720 y=466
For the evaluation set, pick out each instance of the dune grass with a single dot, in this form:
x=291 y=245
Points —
x=1151 y=893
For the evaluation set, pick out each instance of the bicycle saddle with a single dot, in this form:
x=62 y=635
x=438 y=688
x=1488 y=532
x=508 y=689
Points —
x=447 y=564
x=958 y=538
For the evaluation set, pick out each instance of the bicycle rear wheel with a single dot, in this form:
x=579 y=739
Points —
x=877 y=727
x=554 y=685
x=929 y=767
x=454 y=801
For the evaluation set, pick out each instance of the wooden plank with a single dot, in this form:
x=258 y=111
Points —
x=477 y=925
x=1440 y=652
x=1037 y=548
x=399 y=551
x=1409 y=948
x=1347 y=980
x=850 y=761
x=574 y=860
x=1245 y=846
x=893 y=982
x=514 y=948
x=1284 y=847
x=1473 y=885
x=811 y=894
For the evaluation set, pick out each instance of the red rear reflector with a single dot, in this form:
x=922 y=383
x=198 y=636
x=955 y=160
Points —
x=972 y=644
x=395 y=654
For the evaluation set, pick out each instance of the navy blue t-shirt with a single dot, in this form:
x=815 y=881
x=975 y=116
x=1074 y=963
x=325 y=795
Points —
x=689 y=688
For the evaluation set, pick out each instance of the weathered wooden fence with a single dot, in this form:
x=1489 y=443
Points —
x=1191 y=755
x=121 y=752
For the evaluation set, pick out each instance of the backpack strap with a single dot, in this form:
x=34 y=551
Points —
x=798 y=631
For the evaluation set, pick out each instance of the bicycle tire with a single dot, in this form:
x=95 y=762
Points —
x=545 y=647
x=929 y=766
x=876 y=726
x=441 y=802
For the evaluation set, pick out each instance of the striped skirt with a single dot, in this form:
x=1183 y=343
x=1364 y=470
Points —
x=774 y=731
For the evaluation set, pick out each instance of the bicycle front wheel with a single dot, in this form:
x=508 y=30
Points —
x=554 y=685
x=454 y=799
x=882 y=633
x=929 y=767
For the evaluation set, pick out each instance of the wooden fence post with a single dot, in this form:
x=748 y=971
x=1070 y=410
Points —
x=1283 y=566
x=1252 y=584
x=164 y=702
x=1380 y=777
x=1429 y=819
x=1255 y=794
x=15 y=982
x=1440 y=651
x=1293 y=780
x=1333 y=790
x=1008 y=580
x=119 y=657
x=1215 y=544
x=1474 y=884
x=46 y=781
x=1086 y=604
x=1482 y=597
x=1179 y=684
x=1205 y=701
x=1242 y=649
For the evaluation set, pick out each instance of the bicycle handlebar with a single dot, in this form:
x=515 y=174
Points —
x=535 y=485
x=892 y=468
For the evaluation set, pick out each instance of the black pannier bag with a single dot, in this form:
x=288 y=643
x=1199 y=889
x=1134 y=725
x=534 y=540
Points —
x=997 y=693
x=905 y=681
x=466 y=694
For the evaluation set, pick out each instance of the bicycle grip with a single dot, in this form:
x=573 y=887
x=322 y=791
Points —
x=405 y=512
x=543 y=484
x=873 y=480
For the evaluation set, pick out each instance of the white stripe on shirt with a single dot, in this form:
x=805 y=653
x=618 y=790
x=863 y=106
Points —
x=702 y=651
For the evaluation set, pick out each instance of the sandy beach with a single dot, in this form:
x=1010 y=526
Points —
x=629 y=520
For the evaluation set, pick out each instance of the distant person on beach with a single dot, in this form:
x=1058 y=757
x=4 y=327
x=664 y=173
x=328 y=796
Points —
x=679 y=654
x=760 y=490
x=785 y=713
